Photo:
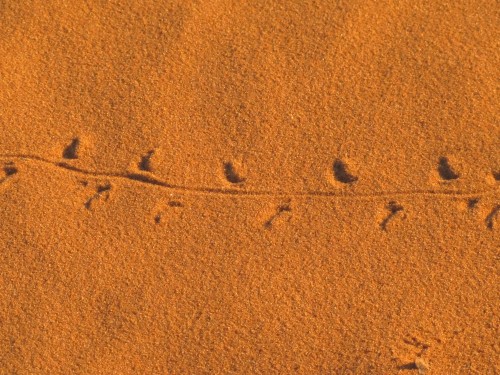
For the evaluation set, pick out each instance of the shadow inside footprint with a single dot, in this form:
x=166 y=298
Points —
x=71 y=151
x=231 y=175
x=9 y=170
x=341 y=173
x=445 y=170
x=145 y=163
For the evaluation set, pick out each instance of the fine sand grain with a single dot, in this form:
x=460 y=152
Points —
x=249 y=187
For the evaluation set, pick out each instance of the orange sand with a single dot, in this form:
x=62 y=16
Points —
x=264 y=187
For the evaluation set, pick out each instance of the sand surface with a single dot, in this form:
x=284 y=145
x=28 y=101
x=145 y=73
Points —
x=249 y=187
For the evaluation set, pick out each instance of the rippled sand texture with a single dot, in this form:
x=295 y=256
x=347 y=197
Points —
x=261 y=187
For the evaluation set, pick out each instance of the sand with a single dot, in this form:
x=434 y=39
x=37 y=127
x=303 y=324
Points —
x=264 y=187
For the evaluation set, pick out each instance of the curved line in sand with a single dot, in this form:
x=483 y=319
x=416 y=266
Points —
x=148 y=179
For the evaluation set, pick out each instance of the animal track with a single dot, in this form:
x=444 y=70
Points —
x=341 y=173
x=490 y=219
x=71 y=151
x=152 y=180
x=393 y=208
x=417 y=343
x=281 y=209
x=231 y=175
x=102 y=191
x=496 y=175
x=159 y=215
x=145 y=163
x=445 y=171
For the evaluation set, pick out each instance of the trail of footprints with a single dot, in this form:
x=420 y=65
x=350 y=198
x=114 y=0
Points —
x=340 y=172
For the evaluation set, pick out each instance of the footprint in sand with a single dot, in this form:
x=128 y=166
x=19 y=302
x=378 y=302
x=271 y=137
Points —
x=102 y=193
x=9 y=170
x=446 y=172
x=283 y=210
x=492 y=217
x=172 y=204
x=233 y=173
x=71 y=150
x=394 y=209
x=341 y=173
x=145 y=163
